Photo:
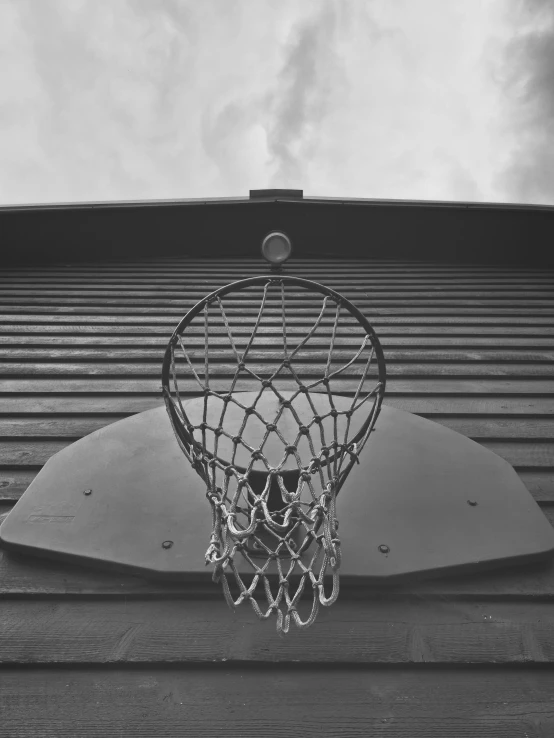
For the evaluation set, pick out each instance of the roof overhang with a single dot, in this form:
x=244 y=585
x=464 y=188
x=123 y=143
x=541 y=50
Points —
x=457 y=232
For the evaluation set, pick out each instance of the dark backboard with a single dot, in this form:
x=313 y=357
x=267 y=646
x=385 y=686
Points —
x=424 y=500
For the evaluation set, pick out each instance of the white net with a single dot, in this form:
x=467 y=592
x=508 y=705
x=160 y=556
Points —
x=274 y=458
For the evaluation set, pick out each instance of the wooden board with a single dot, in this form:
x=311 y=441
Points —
x=219 y=352
x=237 y=701
x=69 y=427
x=303 y=369
x=25 y=316
x=383 y=631
x=490 y=386
x=30 y=342
x=19 y=330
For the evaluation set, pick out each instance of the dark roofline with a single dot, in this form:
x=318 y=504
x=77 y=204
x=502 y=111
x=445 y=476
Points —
x=308 y=199
x=426 y=230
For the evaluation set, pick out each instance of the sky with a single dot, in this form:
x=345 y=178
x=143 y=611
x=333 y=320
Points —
x=106 y=100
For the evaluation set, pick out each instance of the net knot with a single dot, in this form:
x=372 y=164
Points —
x=353 y=451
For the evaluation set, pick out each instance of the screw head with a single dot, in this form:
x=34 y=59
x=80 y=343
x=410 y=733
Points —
x=167 y=544
x=472 y=503
x=87 y=492
x=384 y=549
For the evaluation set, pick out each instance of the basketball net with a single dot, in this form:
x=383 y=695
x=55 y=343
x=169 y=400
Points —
x=274 y=521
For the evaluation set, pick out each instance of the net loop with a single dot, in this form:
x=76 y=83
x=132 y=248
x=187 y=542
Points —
x=274 y=461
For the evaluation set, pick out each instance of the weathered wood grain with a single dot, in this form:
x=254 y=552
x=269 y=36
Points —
x=29 y=454
x=53 y=427
x=529 y=455
x=541 y=485
x=363 y=296
x=377 y=319
x=184 y=267
x=490 y=386
x=311 y=702
x=352 y=289
x=13 y=483
x=430 y=406
x=46 y=404
x=517 y=346
x=383 y=631
x=73 y=427
x=345 y=349
x=220 y=369
x=358 y=276
x=482 y=333
x=490 y=428
x=436 y=308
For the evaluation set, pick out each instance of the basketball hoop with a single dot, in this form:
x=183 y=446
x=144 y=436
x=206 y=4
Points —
x=274 y=459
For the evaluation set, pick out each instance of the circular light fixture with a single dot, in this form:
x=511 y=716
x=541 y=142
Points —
x=276 y=248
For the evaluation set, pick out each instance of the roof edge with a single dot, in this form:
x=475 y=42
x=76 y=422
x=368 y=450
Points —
x=286 y=198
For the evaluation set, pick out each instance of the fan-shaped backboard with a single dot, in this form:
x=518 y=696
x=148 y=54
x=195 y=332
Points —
x=423 y=500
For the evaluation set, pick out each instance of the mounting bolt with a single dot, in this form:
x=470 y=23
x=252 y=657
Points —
x=87 y=492
x=473 y=503
x=384 y=549
x=167 y=544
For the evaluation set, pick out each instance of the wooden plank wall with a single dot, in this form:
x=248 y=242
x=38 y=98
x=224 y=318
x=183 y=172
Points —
x=468 y=347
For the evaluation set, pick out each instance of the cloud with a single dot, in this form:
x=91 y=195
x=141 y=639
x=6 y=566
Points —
x=133 y=99
x=304 y=92
x=528 y=81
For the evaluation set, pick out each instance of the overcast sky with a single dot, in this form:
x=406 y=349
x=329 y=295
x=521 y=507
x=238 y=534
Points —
x=148 y=99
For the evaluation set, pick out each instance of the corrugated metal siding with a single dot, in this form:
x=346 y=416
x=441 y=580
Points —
x=468 y=347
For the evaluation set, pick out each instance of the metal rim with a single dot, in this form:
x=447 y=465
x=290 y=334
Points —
x=242 y=284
